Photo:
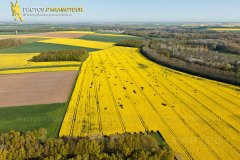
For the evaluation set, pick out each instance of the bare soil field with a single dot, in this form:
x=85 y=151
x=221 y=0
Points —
x=35 y=88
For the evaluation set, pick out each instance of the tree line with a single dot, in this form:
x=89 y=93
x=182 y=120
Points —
x=8 y=43
x=202 y=53
x=36 y=145
x=61 y=55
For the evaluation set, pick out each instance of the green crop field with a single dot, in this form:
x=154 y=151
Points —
x=108 y=38
x=25 y=118
x=40 y=47
x=31 y=40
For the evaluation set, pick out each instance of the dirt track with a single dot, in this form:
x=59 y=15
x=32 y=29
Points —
x=35 y=88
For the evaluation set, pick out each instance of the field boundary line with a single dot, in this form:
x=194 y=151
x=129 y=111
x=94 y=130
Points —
x=78 y=100
x=70 y=96
x=68 y=101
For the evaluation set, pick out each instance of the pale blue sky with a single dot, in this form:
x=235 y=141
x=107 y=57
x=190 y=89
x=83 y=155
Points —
x=134 y=10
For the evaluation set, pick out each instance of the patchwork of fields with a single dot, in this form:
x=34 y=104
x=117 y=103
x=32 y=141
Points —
x=107 y=38
x=118 y=91
x=37 y=47
x=21 y=86
x=15 y=60
x=60 y=34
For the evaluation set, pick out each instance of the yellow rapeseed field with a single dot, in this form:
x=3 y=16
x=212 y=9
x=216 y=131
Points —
x=118 y=91
x=79 y=43
x=224 y=29
x=19 y=63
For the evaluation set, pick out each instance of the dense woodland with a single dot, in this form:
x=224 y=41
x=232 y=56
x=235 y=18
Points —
x=61 y=55
x=8 y=43
x=210 y=54
x=35 y=145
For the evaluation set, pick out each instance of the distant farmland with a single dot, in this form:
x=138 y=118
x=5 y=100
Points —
x=224 y=29
x=117 y=91
x=105 y=38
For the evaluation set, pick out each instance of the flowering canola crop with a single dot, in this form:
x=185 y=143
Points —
x=118 y=90
x=19 y=63
x=79 y=43
x=224 y=29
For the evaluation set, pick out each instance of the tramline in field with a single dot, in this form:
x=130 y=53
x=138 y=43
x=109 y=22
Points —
x=118 y=90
